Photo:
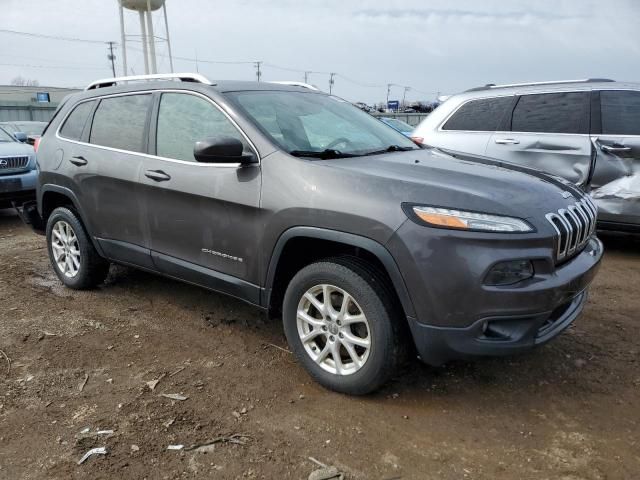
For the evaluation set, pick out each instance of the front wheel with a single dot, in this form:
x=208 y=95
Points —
x=341 y=323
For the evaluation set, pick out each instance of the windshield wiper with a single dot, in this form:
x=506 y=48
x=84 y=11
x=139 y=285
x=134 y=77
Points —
x=390 y=148
x=324 y=154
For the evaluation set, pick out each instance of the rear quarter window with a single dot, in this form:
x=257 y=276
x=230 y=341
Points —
x=75 y=123
x=620 y=112
x=482 y=115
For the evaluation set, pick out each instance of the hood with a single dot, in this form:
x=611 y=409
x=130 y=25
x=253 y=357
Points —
x=15 y=148
x=433 y=177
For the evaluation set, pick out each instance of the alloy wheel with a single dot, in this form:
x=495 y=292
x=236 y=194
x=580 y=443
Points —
x=333 y=329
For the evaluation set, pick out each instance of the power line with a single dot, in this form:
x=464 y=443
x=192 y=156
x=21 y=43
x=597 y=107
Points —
x=257 y=65
x=51 y=37
x=65 y=67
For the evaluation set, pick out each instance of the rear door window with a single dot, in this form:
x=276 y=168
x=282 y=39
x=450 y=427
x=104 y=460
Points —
x=479 y=115
x=120 y=122
x=620 y=112
x=566 y=112
x=76 y=121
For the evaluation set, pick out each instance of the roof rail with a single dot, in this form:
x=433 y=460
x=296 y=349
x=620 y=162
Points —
x=293 y=83
x=552 y=82
x=183 y=77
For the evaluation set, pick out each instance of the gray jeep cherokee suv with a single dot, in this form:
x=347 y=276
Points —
x=299 y=203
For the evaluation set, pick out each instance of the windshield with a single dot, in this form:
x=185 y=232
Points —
x=398 y=125
x=307 y=123
x=5 y=137
x=32 y=128
x=9 y=127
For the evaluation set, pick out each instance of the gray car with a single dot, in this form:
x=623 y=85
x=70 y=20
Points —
x=587 y=132
x=299 y=203
x=17 y=171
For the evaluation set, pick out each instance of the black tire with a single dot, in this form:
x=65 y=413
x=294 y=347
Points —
x=373 y=295
x=93 y=268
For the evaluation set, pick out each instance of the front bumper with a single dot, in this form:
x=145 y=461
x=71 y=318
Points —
x=456 y=315
x=18 y=187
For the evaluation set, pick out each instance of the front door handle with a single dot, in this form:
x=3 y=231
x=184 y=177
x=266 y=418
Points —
x=78 y=160
x=157 y=175
x=507 y=141
x=615 y=148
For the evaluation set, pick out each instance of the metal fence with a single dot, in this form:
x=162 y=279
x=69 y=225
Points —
x=13 y=111
x=412 y=119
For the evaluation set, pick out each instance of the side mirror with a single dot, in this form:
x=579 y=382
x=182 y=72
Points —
x=222 y=149
x=20 y=136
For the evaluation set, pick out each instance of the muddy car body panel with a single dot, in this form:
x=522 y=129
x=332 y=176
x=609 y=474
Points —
x=245 y=229
x=587 y=132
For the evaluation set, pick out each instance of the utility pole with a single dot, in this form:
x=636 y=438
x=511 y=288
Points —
x=306 y=76
x=389 y=85
x=258 y=72
x=112 y=57
x=331 y=82
x=404 y=95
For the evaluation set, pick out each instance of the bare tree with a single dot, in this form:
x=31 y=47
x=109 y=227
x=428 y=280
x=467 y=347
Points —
x=20 y=81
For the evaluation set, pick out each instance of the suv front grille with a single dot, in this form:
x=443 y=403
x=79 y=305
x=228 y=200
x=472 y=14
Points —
x=13 y=163
x=573 y=225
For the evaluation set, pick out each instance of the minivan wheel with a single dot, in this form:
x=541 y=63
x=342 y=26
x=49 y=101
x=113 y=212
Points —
x=340 y=322
x=72 y=255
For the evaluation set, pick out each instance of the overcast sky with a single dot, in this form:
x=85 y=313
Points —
x=432 y=46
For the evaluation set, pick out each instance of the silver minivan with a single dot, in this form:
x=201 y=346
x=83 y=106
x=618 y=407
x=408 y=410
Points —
x=587 y=131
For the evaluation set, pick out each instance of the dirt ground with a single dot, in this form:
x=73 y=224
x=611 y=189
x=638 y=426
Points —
x=81 y=360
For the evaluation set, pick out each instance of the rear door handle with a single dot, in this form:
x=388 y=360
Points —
x=79 y=161
x=157 y=175
x=615 y=148
x=507 y=141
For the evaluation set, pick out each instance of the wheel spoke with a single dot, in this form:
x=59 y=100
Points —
x=57 y=234
x=352 y=353
x=323 y=354
x=344 y=308
x=76 y=263
x=335 y=354
x=351 y=319
x=305 y=317
x=315 y=302
x=311 y=335
x=361 y=342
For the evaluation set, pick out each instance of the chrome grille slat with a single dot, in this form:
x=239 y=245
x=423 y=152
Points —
x=573 y=225
x=13 y=163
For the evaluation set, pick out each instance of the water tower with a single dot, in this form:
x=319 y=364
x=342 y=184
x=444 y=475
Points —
x=145 y=9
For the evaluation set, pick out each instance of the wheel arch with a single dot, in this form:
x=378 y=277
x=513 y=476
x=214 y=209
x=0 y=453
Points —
x=296 y=240
x=54 y=196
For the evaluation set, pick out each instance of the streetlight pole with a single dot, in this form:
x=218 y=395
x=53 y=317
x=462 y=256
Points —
x=331 y=82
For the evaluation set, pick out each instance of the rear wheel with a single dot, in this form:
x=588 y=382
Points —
x=340 y=321
x=73 y=257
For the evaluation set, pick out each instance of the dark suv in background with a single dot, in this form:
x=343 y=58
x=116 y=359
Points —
x=587 y=132
x=301 y=204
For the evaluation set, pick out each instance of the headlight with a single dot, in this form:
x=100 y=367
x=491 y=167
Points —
x=465 y=220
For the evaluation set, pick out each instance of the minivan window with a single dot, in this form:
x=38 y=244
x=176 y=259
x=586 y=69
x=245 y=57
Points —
x=184 y=119
x=479 y=115
x=75 y=123
x=566 y=112
x=304 y=123
x=119 y=122
x=620 y=112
